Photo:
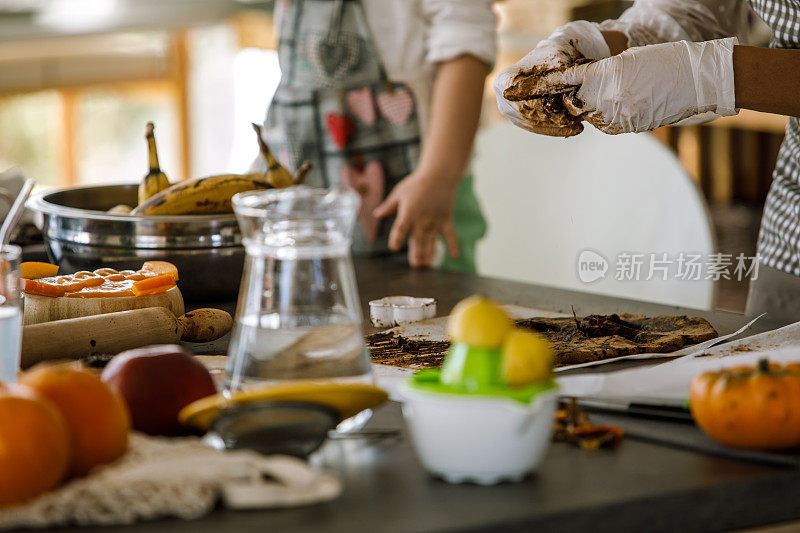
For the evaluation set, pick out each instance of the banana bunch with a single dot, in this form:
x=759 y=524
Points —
x=213 y=194
x=155 y=181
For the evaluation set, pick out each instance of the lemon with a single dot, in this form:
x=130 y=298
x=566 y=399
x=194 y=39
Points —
x=527 y=358
x=478 y=321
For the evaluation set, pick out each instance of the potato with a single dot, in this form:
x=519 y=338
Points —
x=205 y=325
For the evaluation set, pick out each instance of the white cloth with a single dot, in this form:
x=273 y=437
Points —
x=181 y=477
x=413 y=36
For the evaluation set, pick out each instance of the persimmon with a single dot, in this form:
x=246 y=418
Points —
x=157 y=277
x=37 y=270
x=102 y=292
x=68 y=283
x=161 y=267
x=97 y=417
x=41 y=288
x=754 y=407
x=154 y=285
x=34 y=445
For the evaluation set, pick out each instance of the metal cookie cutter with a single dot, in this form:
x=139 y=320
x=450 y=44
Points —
x=398 y=310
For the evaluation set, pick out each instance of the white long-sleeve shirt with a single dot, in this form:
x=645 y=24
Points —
x=655 y=21
x=651 y=21
x=413 y=36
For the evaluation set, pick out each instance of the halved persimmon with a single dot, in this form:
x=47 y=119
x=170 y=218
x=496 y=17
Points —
x=110 y=289
x=68 y=283
x=41 y=288
x=160 y=276
x=154 y=285
x=94 y=281
x=161 y=267
x=37 y=270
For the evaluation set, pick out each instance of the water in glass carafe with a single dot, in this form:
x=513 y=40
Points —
x=298 y=315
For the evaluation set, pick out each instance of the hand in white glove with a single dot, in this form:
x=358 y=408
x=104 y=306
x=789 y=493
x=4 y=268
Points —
x=567 y=45
x=651 y=86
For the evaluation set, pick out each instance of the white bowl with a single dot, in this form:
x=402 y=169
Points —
x=480 y=439
x=398 y=310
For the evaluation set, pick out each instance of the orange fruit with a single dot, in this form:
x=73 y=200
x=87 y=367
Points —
x=160 y=268
x=97 y=417
x=34 y=445
x=154 y=285
x=36 y=270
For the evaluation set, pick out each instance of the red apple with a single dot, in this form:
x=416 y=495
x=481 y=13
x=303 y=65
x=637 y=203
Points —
x=157 y=382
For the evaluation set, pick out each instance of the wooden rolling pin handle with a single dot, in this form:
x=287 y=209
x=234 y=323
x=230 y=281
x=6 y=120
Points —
x=110 y=333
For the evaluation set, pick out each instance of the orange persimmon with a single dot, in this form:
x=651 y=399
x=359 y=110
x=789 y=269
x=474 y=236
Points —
x=41 y=288
x=102 y=292
x=161 y=267
x=154 y=285
x=96 y=416
x=37 y=270
x=35 y=447
x=749 y=406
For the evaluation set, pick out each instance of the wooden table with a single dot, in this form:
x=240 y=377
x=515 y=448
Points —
x=639 y=487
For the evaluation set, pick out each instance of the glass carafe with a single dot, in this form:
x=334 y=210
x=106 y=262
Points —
x=298 y=314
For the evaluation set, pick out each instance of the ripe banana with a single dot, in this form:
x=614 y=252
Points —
x=213 y=194
x=201 y=196
x=155 y=181
x=276 y=174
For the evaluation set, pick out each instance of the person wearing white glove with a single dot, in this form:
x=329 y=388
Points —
x=672 y=60
x=650 y=86
x=576 y=41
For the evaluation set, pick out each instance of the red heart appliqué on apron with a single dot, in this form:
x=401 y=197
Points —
x=369 y=184
x=340 y=128
x=362 y=105
x=396 y=106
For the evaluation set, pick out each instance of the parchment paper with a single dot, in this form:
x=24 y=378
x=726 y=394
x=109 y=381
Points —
x=667 y=384
x=389 y=377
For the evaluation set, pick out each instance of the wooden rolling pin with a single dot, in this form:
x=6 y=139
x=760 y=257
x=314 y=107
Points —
x=112 y=333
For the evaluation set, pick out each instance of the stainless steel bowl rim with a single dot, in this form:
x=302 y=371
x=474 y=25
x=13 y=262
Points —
x=38 y=203
x=101 y=229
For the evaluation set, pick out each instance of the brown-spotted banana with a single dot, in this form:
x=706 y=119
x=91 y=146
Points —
x=213 y=194
x=155 y=181
x=202 y=196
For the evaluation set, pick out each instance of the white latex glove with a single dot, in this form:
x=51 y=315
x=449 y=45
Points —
x=573 y=41
x=651 y=86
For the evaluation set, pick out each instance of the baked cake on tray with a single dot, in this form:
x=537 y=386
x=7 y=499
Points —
x=575 y=340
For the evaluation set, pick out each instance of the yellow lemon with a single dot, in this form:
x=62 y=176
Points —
x=527 y=358
x=478 y=321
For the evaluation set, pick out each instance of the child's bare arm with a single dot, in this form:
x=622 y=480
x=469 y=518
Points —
x=455 y=111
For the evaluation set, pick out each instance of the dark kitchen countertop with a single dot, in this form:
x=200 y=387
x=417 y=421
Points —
x=639 y=487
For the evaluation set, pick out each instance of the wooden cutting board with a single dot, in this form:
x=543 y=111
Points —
x=581 y=340
x=39 y=309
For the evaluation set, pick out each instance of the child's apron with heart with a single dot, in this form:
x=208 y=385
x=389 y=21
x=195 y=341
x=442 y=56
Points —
x=336 y=107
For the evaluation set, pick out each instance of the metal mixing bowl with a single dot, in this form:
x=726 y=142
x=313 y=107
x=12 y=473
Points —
x=80 y=235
